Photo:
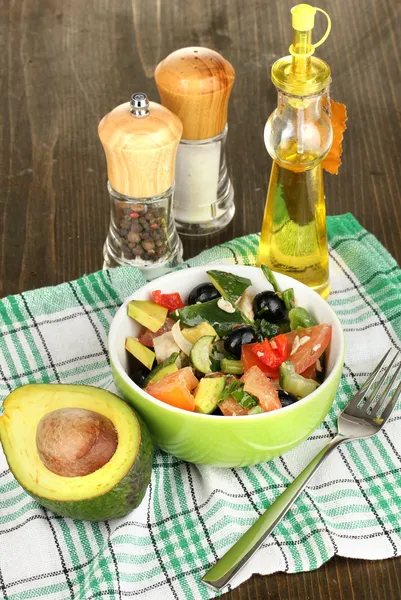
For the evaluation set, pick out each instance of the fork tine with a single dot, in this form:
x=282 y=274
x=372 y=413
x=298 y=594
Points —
x=382 y=381
x=391 y=404
x=364 y=389
x=384 y=396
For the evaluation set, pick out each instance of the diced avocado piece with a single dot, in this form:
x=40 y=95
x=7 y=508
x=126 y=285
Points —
x=294 y=383
x=165 y=368
x=192 y=334
x=200 y=354
x=147 y=313
x=144 y=354
x=221 y=321
x=34 y=413
x=208 y=393
x=230 y=286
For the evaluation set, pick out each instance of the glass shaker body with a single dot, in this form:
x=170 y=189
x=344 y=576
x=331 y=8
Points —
x=195 y=84
x=142 y=234
x=298 y=136
x=204 y=195
x=140 y=140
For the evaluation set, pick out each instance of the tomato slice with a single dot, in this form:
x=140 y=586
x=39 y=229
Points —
x=231 y=408
x=170 y=301
x=257 y=384
x=147 y=336
x=307 y=353
x=175 y=389
x=250 y=359
x=310 y=372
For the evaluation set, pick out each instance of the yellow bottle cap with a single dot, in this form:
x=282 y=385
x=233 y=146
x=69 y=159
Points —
x=303 y=17
x=302 y=74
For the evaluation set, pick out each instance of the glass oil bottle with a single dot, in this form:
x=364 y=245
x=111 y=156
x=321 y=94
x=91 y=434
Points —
x=298 y=136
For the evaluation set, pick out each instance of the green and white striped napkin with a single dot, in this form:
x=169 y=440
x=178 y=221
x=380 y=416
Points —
x=191 y=515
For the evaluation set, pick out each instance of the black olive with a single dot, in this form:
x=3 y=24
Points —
x=136 y=370
x=267 y=305
x=139 y=375
x=244 y=334
x=203 y=293
x=286 y=398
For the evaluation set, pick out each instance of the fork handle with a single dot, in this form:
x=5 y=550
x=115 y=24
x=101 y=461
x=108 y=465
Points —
x=240 y=553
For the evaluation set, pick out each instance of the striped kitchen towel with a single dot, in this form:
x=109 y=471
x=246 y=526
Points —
x=192 y=514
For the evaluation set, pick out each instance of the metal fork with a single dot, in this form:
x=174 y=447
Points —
x=363 y=417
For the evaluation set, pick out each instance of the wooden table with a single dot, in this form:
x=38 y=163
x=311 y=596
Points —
x=65 y=64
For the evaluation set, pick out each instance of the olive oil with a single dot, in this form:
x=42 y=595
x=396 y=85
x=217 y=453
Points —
x=298 y=136
x=293 y=239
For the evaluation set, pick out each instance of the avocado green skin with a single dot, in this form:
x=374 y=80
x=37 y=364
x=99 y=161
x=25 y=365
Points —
x=120 y=500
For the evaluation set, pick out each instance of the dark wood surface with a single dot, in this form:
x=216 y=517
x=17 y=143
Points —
x=64 y=64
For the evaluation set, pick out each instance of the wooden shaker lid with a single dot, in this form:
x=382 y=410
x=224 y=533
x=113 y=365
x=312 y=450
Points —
x=195 y=84
x=140 y=140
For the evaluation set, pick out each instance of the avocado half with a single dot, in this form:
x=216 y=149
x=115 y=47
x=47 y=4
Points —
x=111 y=491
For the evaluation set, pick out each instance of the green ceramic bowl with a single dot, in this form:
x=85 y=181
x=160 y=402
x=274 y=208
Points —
x=227 y=441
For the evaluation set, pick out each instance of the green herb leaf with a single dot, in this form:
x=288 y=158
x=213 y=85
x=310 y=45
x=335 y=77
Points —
x=245 y=399
x=214 y=363
x=266 y=329
x=221 y=321
x=230 y=388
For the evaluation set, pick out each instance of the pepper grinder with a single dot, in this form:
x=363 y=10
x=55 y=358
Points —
x=195 y=84
x=140 y=140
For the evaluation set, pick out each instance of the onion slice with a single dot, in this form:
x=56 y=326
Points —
x=179 y=339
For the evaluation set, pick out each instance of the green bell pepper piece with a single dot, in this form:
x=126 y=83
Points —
x=288 y=298
x=268 y=273
x=300 y=318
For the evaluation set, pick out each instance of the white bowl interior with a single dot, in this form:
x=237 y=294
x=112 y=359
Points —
x=184 y=281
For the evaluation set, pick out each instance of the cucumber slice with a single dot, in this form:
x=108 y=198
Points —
x=295 y=384
x=208 y=394
x=200 y=354
x=230 y=286
x=166 y=367
x=256 y=410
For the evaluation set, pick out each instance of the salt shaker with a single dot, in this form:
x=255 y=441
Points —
x=140 y=140
x=195 y=84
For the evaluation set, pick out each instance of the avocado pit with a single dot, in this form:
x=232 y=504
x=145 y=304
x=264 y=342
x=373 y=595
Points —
x=73 y=442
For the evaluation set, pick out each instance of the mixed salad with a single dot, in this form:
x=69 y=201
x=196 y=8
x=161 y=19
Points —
x=226 y=351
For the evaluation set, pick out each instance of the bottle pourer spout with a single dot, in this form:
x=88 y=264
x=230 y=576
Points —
x=303 y=21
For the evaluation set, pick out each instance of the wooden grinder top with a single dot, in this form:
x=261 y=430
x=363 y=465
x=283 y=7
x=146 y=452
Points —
x=195 y=84
x=140 y=140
